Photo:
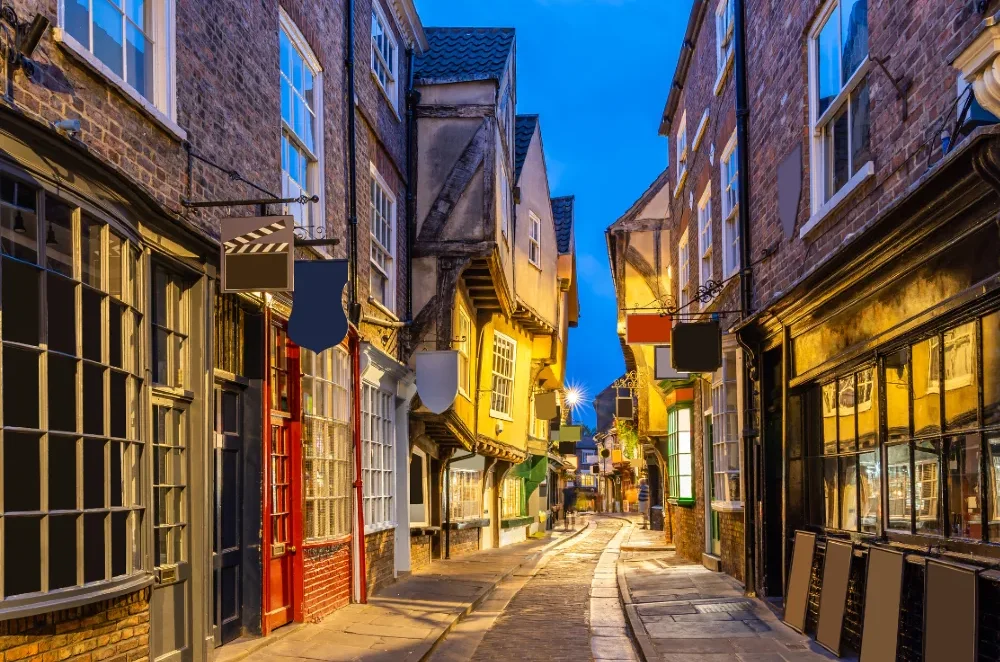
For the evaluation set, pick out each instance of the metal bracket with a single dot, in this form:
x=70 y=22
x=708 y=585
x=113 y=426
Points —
x=901 y=84
x=302 y=199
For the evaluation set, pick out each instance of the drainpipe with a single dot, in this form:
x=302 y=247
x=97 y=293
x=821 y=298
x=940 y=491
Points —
x=354 y=306
x=412 y=99
x=746 y=287
x=358 y=484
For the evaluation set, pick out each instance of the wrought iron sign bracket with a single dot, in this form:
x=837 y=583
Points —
x=901 y=84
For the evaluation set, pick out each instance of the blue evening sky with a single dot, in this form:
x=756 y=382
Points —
x=598 y=73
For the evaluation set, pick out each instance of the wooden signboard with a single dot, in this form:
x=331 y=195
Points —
x=950 y=612
x=833 y=596
x=797 y=598
x=883 y=591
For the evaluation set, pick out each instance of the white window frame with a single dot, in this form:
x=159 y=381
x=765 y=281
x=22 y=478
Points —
x=513 y=504
x=681 y=147
x=730 y=208
x=425 y=520
x=316 y=164
x=725 y=432
x=465 y=494
x=390 y=88
x=821 y=204
x=705 y=257
x=725 y=19
x=378 y=457
x=504 y=369
x=163 y=106
x=535 y=239
x=379 y=185
x=464 y=342
x=683 y=271
x=699 y=132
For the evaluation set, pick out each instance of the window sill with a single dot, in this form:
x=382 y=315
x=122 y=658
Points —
x=681 y=178
x=77 y=596
x=474 y=523
x=833 y=204
x=535 y=265
x=382 y=308
x=501 y=417
x=727 y=506
x=321 y=543
x=385 y=95
x=720 y=81
x=379 y=528
x=683 y=503
x=515 y=522
x=89 y=60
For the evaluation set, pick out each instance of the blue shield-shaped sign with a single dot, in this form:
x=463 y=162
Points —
x=318 y=321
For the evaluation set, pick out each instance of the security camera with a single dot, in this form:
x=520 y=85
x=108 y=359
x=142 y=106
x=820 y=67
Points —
x=69 y=127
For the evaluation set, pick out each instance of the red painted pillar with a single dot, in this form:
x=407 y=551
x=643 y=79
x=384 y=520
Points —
x=358 y=483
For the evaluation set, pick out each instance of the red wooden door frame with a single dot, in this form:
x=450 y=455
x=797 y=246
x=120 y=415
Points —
x=295 y=496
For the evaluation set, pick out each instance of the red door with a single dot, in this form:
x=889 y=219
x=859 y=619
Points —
x=282 y=509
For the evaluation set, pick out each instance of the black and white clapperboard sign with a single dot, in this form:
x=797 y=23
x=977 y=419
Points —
x=258 y=254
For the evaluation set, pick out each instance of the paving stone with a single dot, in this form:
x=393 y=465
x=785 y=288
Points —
x=720 y=629
x=702 y=646
x=612 y=648
x=665 y=610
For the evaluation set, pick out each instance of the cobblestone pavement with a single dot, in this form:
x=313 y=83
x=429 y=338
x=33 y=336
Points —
x=552 y=615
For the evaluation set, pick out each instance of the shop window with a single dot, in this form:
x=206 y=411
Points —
x=725 y=432
x=68 y=519
x=326 y=442
x=964 y=493
x=278 y=358
x=169 y=482
x=961 y=391
x=514 y=504
x=870 y=492
x=993 y=467
x=927 y=487
x=465 y=498
x=899 y=488
x=378 y=435
x=170 y=329
x=926 y=398
x=991 y=369
x=679 y=463
x=897 y=395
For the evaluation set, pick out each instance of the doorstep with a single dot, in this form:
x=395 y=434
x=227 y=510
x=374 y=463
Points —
x=245 y=646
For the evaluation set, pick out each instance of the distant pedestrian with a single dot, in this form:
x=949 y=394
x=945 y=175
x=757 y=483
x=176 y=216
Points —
x=569 y=503
x=644 y=502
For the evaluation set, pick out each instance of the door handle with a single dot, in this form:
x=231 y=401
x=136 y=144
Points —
x=292 y=549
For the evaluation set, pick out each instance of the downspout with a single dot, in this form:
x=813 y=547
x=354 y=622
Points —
x=412 y=99
x=358 y=483
x=749 y=432
x=354 y=306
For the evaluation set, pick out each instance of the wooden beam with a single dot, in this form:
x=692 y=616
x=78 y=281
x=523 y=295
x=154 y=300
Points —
x=431 y=248
x=465 y=111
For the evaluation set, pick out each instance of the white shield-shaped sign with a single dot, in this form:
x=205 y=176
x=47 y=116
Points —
x=437 y=379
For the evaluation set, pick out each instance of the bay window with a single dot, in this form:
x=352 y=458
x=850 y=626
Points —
x=465 y=498
x=680 y=472
x=378 y=437
x=839 y=100
x=72 y=503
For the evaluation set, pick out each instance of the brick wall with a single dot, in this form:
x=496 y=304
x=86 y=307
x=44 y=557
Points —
x=920 y=37
x=420 y=552
x=109 y=630
x=380 y=553
x=464 y=542
x=688 y=536
x=732 y=543
x=327 y=579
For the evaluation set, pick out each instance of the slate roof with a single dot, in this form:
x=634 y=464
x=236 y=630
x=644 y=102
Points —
x=562 y=213
x=524 y=129
x=458 y=55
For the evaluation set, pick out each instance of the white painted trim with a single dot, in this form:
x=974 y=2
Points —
x=699 y=133
x=681 y=178
x=720 y=81
x=513 y=377
x=387 y=191
x=705 y=201
x=89 y=60
x=862 y=175
x=394 y=65
x=727 y=506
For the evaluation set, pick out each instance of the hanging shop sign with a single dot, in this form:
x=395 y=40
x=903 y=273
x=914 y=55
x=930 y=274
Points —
x=437 y=379
x=570 y=433
x=595 y=468
x=258 y=254
x=318 y=321
x=663 y=367
x=567 y=447
x=697 y=347
x=546 y=405
x=647 y=329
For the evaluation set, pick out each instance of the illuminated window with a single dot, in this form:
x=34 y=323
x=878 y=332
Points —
x=679 y=463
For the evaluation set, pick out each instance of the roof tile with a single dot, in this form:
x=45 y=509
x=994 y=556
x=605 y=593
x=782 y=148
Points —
x=457 y=55
x=562 y=213
x=524 y=129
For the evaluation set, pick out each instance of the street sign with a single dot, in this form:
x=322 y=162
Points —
x=258 y=254
x=647 y=329
x=318 y=321
x=545 y=405
x=570 y=433
x=697 y=347
x=567 y=447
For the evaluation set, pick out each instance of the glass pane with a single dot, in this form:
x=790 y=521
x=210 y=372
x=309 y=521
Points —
x=59 y=235
x=961 y=391
x=837 y=148
x=964 y=502
x=119 y=544
x=90 y=245
x=22 y=485
x=927 y=485
x=991 y=369
x=20 y=302
x=831 y=493
x=897 y=394
x=93 y=473
x=115 y=311
x=62 y=473
x=854 y=32
x=926 y=366
x=849 y=492
x=115 y=246
x=139 y=54
x=898 y=474
x=828 y=61
x=93 y=399
x=62 y=314
x=62 y=393
x=20 y=388
x=76 y=17
x=93 y=324
x=93 y=547
x=62 y=551
x=993 y=448
x=22 y=551
x=115 y=483
x=19 y=233
x=860 y=128
x=830 y=418
x=865 y=397
x=108 y=35
x=846 y=412
x=871 y=492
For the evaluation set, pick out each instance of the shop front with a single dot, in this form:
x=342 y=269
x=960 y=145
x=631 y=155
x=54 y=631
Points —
x=879 y=380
